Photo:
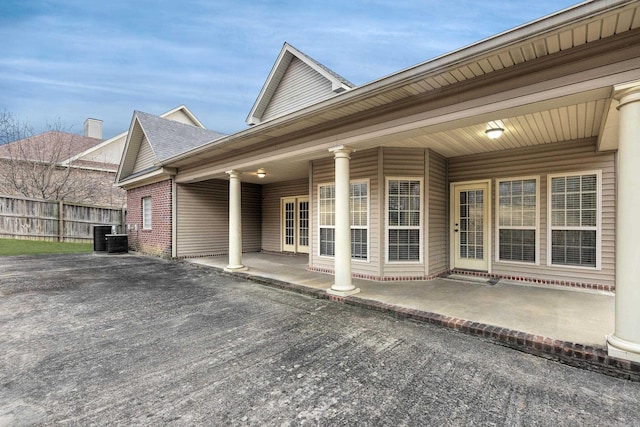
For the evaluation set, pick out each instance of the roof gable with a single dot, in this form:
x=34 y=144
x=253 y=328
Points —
x=157 y=139
x=296 y=81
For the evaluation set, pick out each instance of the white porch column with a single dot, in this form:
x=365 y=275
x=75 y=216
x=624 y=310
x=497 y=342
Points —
x=342 y=259
x=235 y=223
x=624 y=343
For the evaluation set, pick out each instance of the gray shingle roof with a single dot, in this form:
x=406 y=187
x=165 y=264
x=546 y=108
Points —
x=169 y=138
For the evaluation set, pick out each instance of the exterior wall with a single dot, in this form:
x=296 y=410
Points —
x=376 y=165
x=540 y=161
x=157 y=240
x=203 y=218
x=271 y=210
x=300 y=86
x=110 y=153
x=145 y=157
x=438 y=215
x=180 y=116
x=364 y=165
x=251 y=217
x=407 y=163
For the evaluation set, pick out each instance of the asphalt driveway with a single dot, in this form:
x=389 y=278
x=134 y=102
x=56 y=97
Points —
x=129 y=340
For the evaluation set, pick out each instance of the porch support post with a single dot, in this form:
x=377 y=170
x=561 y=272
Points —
x=342 y=259
x=235 y=223
x=624 y=343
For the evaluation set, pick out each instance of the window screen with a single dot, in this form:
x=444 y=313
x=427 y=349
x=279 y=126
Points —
x=574 y=220
x=517 y=220
x=404 y=213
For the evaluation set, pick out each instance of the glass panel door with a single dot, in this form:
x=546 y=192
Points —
x=295 y=224
x=289 y=225
x=471 y=226
x=303 y=225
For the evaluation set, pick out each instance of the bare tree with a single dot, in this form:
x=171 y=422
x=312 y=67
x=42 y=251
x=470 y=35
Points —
x=38 y=166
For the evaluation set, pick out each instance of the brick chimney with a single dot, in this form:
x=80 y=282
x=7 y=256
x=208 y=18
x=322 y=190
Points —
x=93 y=128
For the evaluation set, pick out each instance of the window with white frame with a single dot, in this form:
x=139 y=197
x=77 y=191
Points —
x=146 y=213
x=359 y=218
x=574 y=211
x=517 y=219
x=404 y=213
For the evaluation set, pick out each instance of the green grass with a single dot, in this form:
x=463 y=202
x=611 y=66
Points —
x=9 y=247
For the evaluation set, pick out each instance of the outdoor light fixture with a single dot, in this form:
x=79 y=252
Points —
x=494 y=132
x=261 y=173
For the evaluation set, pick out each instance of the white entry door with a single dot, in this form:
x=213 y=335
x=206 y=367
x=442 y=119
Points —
x=470 y=225
x=295 y=224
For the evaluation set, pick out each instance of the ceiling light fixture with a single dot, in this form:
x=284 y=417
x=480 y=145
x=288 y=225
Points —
x=494 y=132
x=261 y=173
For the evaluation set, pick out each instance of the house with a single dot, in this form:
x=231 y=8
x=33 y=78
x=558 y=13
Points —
x=513 y=157
x=88 y=163
x=40 y=166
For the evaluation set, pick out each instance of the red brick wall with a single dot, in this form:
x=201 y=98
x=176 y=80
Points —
x=157 y=240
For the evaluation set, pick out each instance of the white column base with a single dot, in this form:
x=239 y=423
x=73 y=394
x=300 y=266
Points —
x=342 y=293
x=232 y=268
x=623 y=349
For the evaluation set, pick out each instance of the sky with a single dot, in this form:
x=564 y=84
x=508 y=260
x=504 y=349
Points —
x=63 y=61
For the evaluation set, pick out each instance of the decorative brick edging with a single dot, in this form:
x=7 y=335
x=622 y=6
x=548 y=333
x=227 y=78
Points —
x=592 y=358
x=376 y=278
x=592 y=286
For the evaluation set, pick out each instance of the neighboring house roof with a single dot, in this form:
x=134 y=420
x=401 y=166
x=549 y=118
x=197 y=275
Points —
x=296 y=80
x=48 y=146
x=108 y=154
x=152 y=139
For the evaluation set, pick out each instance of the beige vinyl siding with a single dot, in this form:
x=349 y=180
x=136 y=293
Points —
x=438 y=214
x=203 y=218
x=405 y=163
x=300 y=86
x=364 y=165
x=271 y=209
x=181 y=117
x=251 y=200
x=146 y=157
x=566 y=157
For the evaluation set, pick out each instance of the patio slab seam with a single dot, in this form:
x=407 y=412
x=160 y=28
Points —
x=588 y=357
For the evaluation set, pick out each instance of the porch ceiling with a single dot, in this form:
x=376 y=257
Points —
x=545 y=126
x=564 y=123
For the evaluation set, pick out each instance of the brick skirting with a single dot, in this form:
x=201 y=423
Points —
x=591 y=286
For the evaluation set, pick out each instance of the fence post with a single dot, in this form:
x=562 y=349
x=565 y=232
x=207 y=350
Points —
x=60 y=221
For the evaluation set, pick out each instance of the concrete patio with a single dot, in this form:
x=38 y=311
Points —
x=568 y=325
x=566 y=314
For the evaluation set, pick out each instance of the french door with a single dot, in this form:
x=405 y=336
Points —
x=295 y=224
x=471 y=225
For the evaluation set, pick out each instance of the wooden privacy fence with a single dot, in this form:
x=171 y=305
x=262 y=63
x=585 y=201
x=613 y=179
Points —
x=35 y=219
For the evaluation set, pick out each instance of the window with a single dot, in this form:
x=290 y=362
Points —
x=359 y=210
x=404 y=211
x=146 y=213
x=359 y=214
x=517 y=220
x=574 y=212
